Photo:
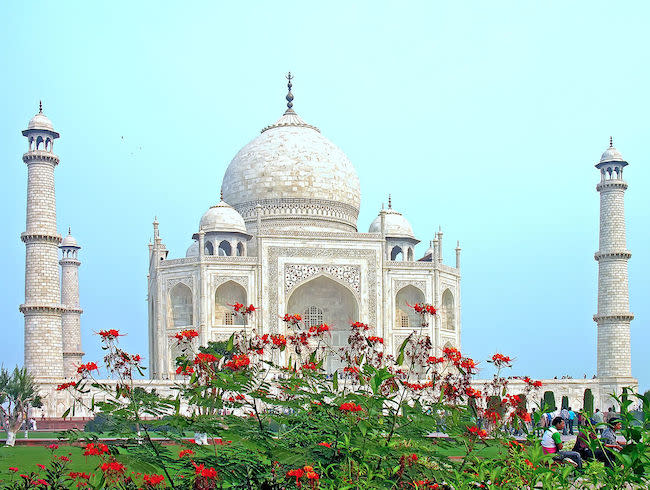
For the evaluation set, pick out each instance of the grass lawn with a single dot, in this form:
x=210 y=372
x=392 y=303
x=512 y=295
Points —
x=32 y=435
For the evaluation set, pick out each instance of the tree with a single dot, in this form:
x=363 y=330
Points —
x=549 y=401
x=588 y=402
x=18 y=392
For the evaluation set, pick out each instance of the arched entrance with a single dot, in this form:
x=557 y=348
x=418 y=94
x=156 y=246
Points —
x=323 y=300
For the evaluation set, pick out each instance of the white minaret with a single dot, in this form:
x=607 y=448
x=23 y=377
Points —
x=71 y=317
x=613 y=317
x=42 y=307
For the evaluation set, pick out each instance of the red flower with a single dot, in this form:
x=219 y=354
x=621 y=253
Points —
x=435 y=360
x=203 y=358
x=187 y=370
x=74 y=475
x=113 y=468
x=53 y=446
x=475 y=431
x=310 y=365
x=452 y=354
x=472 y=393
x=185 y=452
x=238 y=362
x=500 y=360
x=350 y=407
x=154 y=480
x=40 y=481
x=237 y=306
x=109 y=334
x=41 y=466
x=66 y=385
x=468 y=364
x=249 y=309
x=325 y=444
x=97 y=449
x=414 y=457
x=278 y=340
x=292 y=319
x=86 y=368
x=374 y=340
x=11 y=468
x=297 y=473
x=360 y=326
x=351 y=369
x=186 y=335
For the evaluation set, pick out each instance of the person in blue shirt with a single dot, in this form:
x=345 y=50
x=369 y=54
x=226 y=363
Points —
x=572 y=418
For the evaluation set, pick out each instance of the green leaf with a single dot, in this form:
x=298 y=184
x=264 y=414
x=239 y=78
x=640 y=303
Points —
x=400 y=358
x=65 y=414
x=231 y=343
x=335 y=381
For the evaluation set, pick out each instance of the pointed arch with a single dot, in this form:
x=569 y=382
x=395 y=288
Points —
x=225 y=249
x=209 y=248
x=327 y=301
x=405 y=316
x=448 y=310
x=396 y=253
x=228 y=294
x=240 y=249
x=182 y=305
x=409 y=254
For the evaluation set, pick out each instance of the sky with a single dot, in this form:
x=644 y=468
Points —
x=484 y=118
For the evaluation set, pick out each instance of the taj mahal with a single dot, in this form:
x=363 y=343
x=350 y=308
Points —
x=283 y=235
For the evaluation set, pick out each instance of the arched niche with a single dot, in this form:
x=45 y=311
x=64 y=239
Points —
x=226 y=295
x=448 y=310
x=209 y=248
x=181 y=303
x=225 y=249
x=339 y=309
x=405 y=316
x=396 y=253
x=240 y=249
x=409 y=254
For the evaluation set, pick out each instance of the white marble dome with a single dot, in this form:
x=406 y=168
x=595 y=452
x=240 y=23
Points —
x=193 y=250
x=395 y=225
x=40 y=121
x=611 y=154
x=223 y=218
x=293 y=172
x=69 y=241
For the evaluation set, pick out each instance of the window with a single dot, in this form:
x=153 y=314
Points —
x=229 y=318
x=313 y=316
x=181 y=302
x=402 y=319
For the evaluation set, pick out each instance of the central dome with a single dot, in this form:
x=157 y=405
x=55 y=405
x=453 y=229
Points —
x=297 y=176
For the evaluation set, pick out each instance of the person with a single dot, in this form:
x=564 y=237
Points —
x=583 y=447
x=608 y=438
x=532 y=420
x=598 y=420
x=552 y=444
x=572 y=417
x=564 y=413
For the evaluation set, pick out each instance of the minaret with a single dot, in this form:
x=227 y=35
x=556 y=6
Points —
x=613 y=318
x=71 y=317
x=42 y=307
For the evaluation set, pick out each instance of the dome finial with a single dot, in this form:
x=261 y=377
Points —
x=611 y=142
x=221 y=194
x=40 y=107
x=289 y=94
x=69 y=230
x=390 y=202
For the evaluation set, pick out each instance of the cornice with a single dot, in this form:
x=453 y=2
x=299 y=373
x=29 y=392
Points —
x=624 y=254
x=40 y=237
x=39 y=156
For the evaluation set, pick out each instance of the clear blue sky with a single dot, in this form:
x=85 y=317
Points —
x=483 y=117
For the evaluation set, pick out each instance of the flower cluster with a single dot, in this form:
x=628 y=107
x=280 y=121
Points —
x=306 y=472
x=476 y=432
x=95 y=449
x=292 y=319
x=67 y=385
x=350 y=407
x=185 y=370
x=186 y=335
x=243 y=310
x=500 y=360
x=238 y=362
x=154 y=480
x=424 y=308
x=87 y=368
x=111 y=334
x=203 y=358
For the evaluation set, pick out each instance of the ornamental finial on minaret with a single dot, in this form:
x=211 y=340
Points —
x=40 y=107
x=289 y=96
x=611 y=142
x=390 y=202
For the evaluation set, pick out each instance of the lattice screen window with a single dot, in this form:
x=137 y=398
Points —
x=313 y=316
x=229 y=318
x=402 y=319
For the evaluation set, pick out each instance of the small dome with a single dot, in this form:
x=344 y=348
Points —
x=396 y=225
x=222 y=217
x=193 y=250
x=40 y=121
x=69 y=241
x=611 y=154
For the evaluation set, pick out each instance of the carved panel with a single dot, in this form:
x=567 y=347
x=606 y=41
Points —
x=369 y=256
x=172 y=281
x=241 y=280
x=399 y=284
x=295 y=274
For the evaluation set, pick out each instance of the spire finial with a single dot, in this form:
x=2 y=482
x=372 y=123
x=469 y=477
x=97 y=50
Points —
x=390 y=202
x=611 y=142
x=40 y=107
x=221 y=194
x=289 y=94
x=69 y=230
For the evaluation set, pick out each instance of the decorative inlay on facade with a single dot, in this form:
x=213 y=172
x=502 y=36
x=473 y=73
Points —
x=326 y=253
x=399 y=284
x=241 y=280
x=294 y=274
x=171 y=282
